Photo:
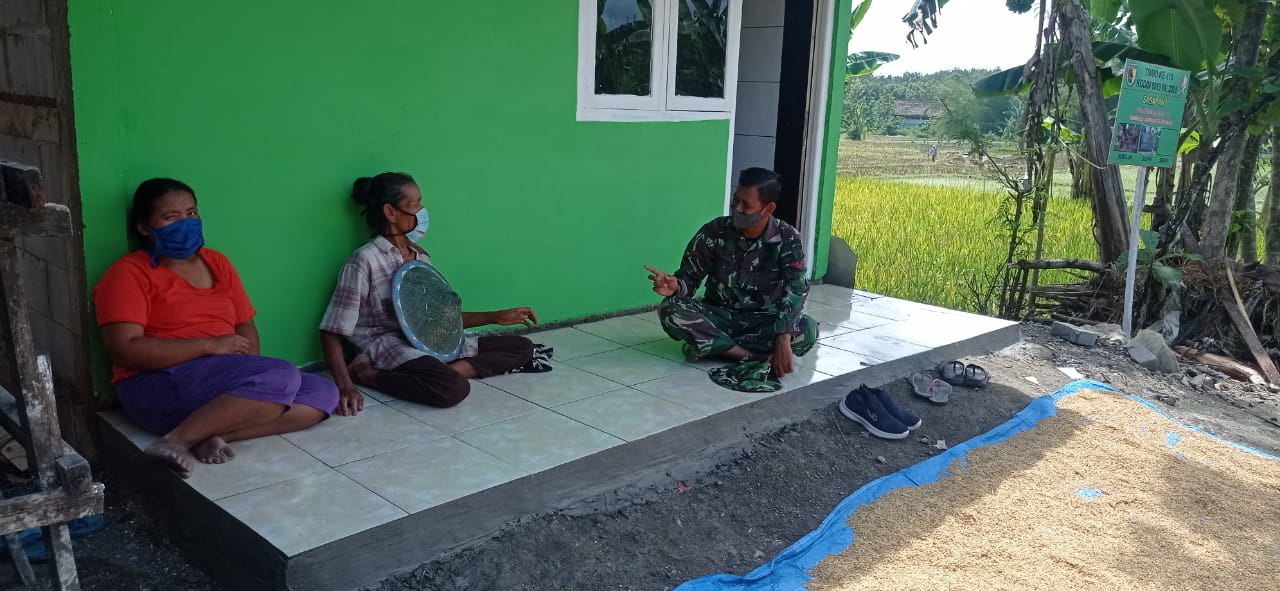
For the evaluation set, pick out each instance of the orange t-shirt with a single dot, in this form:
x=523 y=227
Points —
x=166 y=305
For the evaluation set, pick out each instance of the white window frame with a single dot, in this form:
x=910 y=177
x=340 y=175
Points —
x=662 y=104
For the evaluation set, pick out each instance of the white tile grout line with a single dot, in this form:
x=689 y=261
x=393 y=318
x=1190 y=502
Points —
x=540 y=405
x=528 y=473
x=335 y=471
x=323 y=465
x=407 y=512
x=592 y=427
x=631 y=348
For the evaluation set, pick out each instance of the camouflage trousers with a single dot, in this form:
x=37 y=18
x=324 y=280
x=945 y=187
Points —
x=708 y=330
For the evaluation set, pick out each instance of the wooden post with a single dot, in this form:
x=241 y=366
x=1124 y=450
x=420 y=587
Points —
x=36 y=405
x=64 y=485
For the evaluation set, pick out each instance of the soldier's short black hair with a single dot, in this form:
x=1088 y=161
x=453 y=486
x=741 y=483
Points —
x=764 y=181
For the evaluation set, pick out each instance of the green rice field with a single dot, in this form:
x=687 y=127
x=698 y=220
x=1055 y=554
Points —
x=918 y=242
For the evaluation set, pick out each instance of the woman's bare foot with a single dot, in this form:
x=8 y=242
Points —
x=213 y=451
x=361 y=370
x=174 y=453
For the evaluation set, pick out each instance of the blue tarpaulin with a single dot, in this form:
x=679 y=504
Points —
x=789 y=571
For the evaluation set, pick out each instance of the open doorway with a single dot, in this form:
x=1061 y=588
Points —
x=779 y=111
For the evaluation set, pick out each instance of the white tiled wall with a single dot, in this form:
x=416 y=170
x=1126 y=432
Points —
x=759 y=67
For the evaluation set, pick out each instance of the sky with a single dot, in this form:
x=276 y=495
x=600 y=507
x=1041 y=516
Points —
x=970 y=34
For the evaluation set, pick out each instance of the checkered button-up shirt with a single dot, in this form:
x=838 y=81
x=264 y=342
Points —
x=361 y=308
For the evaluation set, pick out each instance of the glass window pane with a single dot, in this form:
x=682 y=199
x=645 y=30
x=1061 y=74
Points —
x=700 y=47
x=624 y=46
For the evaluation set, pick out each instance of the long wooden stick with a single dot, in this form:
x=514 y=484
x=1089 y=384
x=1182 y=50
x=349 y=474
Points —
x=1080 y=264
x=1235 y=309
x=1225 y=365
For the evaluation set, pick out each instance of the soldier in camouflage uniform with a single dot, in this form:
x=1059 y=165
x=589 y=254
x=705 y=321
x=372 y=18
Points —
x=753 y=264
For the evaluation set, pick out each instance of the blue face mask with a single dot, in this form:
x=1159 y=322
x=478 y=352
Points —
x=420 y=230
x=179 y=240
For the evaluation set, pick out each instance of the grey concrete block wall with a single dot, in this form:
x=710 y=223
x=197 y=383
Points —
x=35 y=282
x=22 y=14
x=55 y=298
x=32 y=48
x=55 y=302
x=35 y=81
x=52 y=305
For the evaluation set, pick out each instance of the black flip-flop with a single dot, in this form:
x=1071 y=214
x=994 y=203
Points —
x=975 y=376
x=952 y=372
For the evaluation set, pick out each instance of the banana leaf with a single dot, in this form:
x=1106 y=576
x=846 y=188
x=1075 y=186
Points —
x=1104 y=10
x=1011 y=82
x=862 y=63
x=859 y=13
x=1187 y=31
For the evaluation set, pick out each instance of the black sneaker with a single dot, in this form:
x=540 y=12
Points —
x=863 y=406
x=904 y=416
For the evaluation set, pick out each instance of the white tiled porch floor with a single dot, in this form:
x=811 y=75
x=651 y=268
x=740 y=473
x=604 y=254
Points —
x=614 y=381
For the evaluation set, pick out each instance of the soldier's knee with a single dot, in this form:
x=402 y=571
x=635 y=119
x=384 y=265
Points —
x=672 y=309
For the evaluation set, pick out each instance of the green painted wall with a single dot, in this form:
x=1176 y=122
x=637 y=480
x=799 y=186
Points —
x=831 y=144
x=271 y=109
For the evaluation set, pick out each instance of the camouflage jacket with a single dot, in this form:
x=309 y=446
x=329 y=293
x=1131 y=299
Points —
x=764 y=275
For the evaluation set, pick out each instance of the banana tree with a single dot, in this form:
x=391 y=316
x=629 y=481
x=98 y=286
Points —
x=1203 y=40
x=862 y=63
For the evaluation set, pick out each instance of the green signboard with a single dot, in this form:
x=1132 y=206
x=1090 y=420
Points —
x=1149 y=116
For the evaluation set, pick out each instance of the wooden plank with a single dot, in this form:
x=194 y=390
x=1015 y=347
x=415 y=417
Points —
x=1250 y=339
x=9 y=419
x=52 y=220
x=74 y=474
x=20 y=561
x=1236 y=311
x=57 y=538
x=9 y=416
x=37 y=407
x=43 y=508
x=19 y=556
x=1223 y=364
x=29 y=122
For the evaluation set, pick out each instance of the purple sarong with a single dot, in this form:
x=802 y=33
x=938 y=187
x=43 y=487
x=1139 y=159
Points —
x=158 y=400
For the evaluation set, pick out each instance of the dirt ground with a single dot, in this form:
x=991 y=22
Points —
x=741 y=513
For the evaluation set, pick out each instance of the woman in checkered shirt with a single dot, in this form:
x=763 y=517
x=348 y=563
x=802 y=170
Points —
x=361 y=315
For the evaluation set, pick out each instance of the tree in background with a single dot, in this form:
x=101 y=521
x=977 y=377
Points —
x=869 y=102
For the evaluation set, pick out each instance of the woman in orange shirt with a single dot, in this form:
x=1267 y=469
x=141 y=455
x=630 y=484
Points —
x=178 y=327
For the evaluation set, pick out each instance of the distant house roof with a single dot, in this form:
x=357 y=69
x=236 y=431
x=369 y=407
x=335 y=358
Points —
x=917 y=109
